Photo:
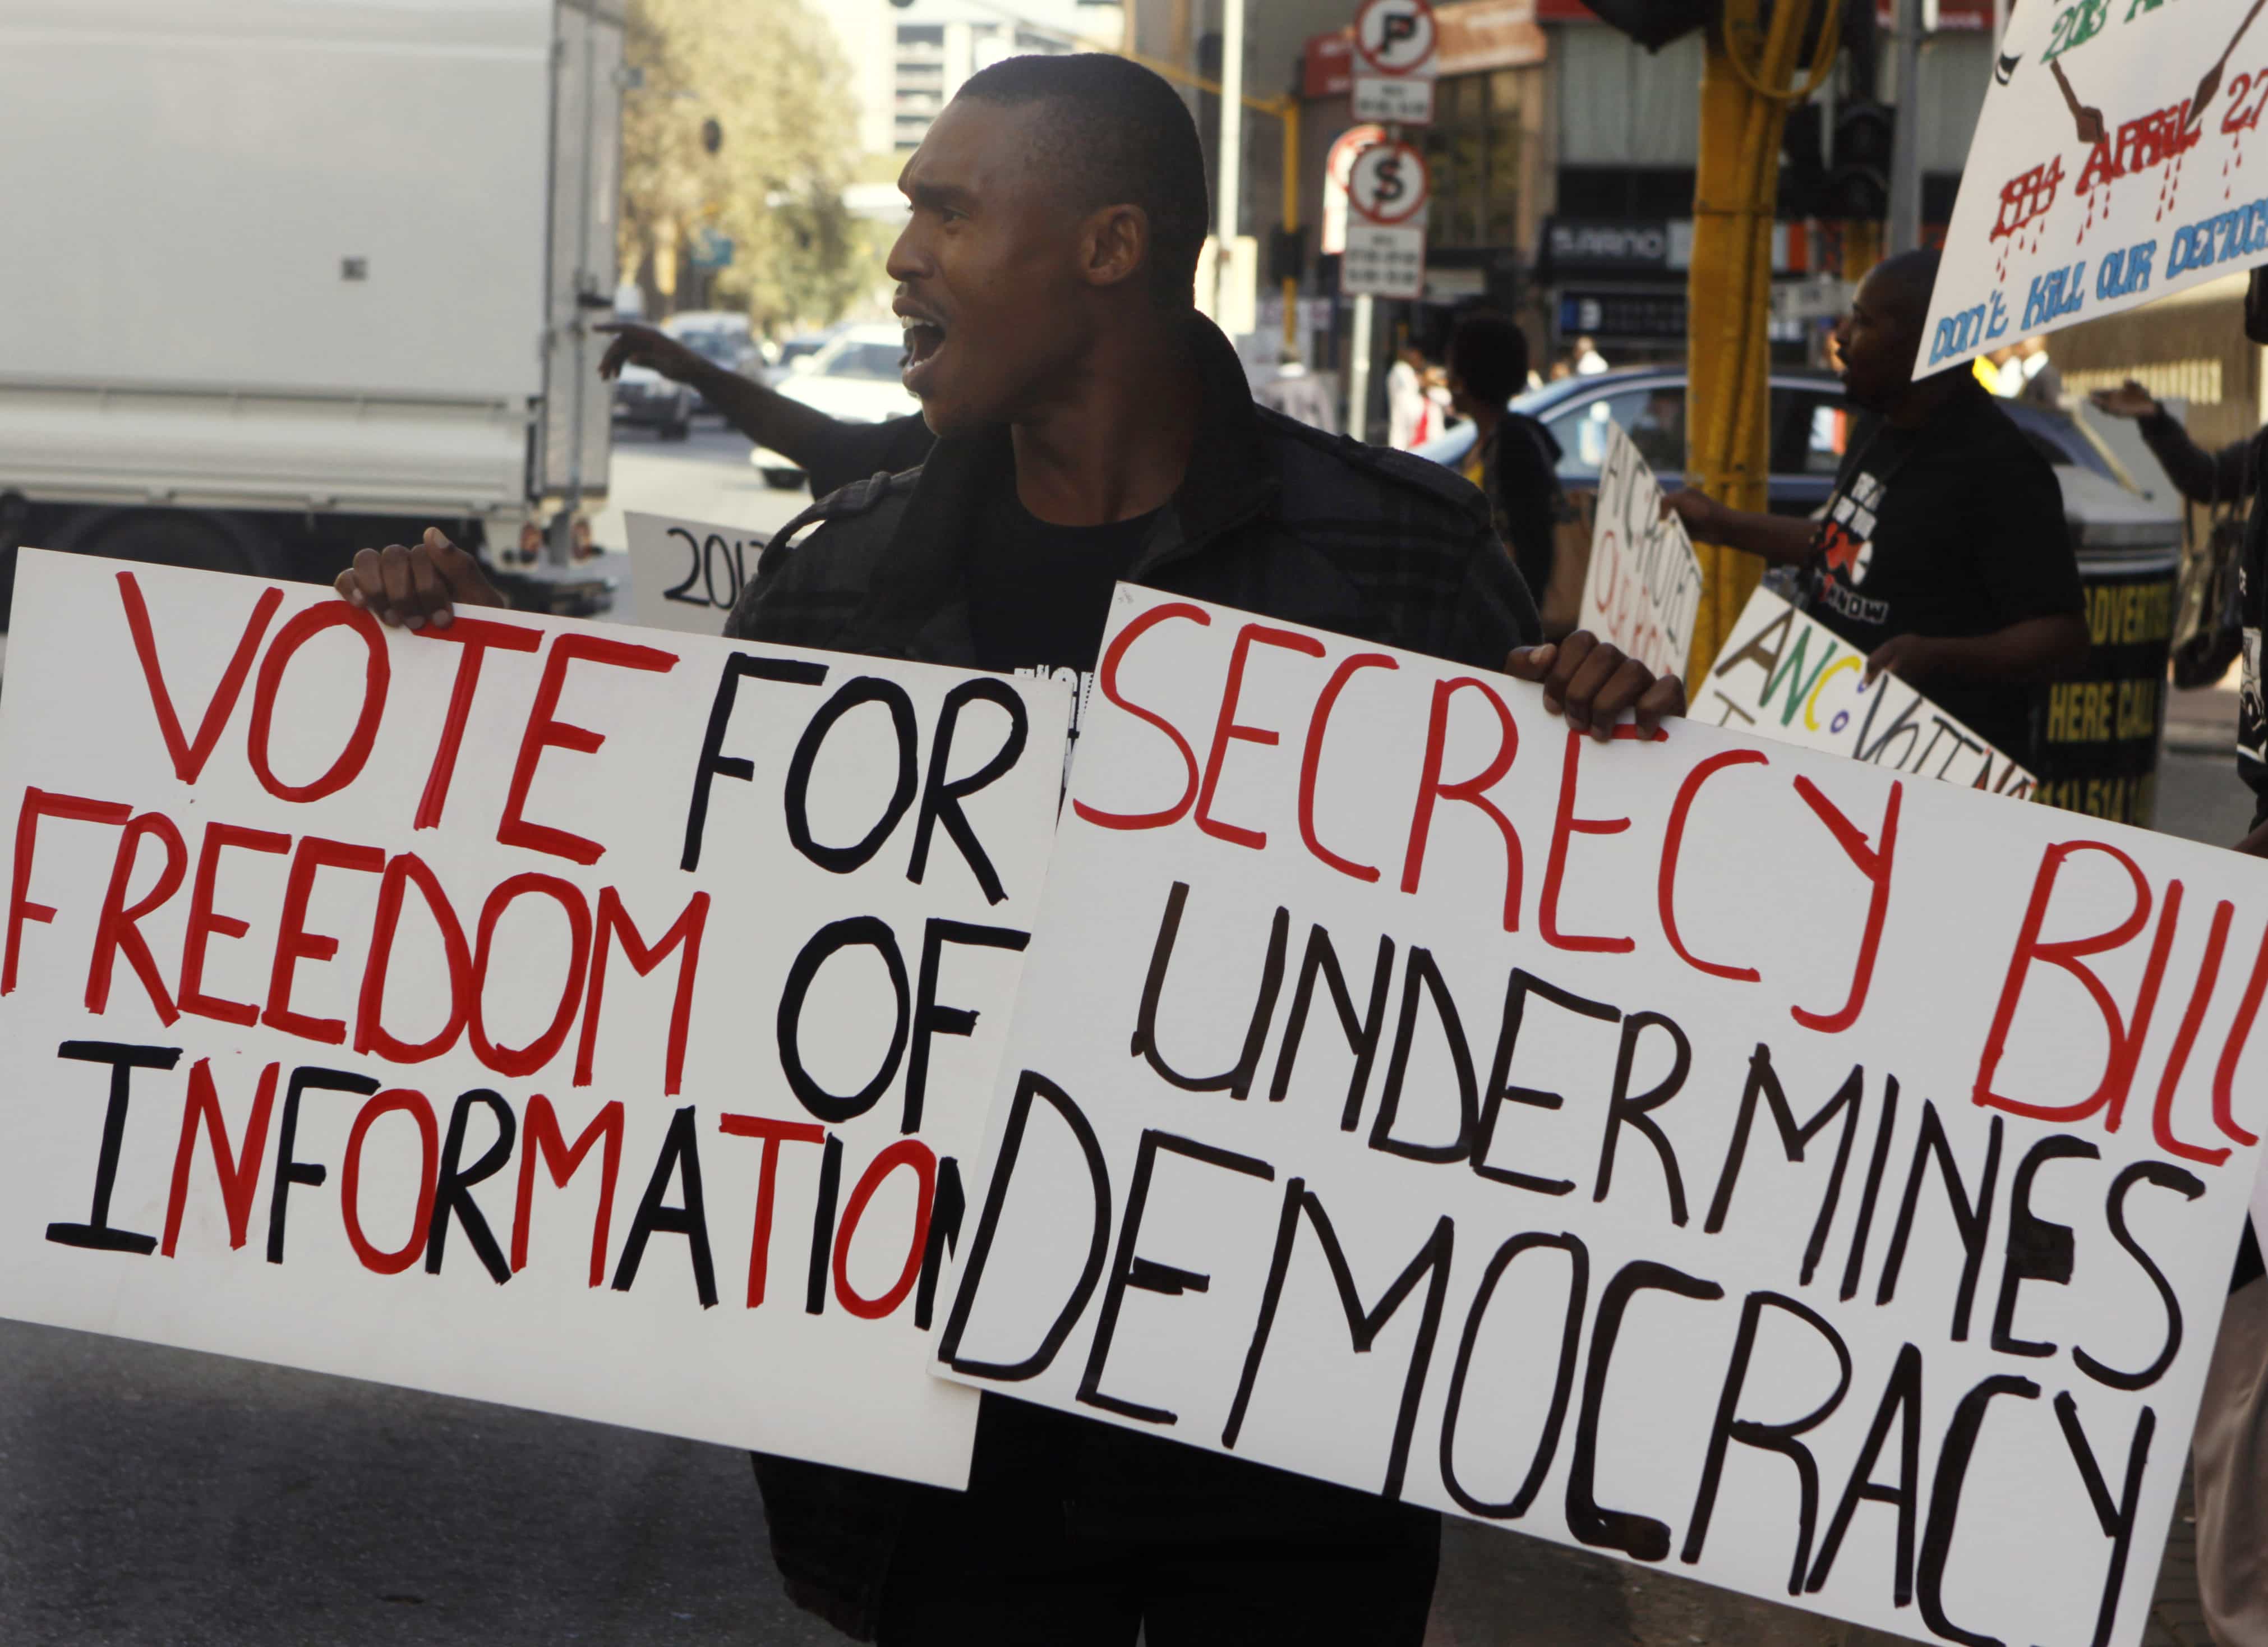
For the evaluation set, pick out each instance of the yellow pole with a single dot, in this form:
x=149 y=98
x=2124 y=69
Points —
x=1747 y=81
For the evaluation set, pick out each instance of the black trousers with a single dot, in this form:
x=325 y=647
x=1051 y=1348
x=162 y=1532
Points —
x=1077 y=1534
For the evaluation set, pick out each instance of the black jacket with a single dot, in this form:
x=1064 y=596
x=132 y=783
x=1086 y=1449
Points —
x=1273 y=517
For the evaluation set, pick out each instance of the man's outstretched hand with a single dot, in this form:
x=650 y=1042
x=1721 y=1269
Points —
x=638 y=344
x=413 y=586
x=1593 y=683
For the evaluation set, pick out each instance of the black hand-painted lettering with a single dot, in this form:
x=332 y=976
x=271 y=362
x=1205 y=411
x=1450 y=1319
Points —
x=940 y=800
x=1563 y=1384
x=453 y=1185
x=1972 y=1219
x=1625 y=1111
x=96 y=1233
x=1500 y=1092
x=1029 y=1086
x=1237 y=1079
x=1953 y=1456
x=679 y=1158
x=1148 y=1274
x=1876 y=1163
x=947 y=1207
x=1321 y=960
x=1764 y=1082
x=822 y=1226
x=1640 y=1537
x=2036 y=1250
x=1780 y=1439
x=289 y=1168
x=2117 y=1517
x=930 y=1018
x=1901 y=1402
x=714 y=764
x=1419 y=971
x=796 y=797
x=836 y=1108
x=2166 y=1176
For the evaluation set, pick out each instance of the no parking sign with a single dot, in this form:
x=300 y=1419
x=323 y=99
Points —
x=1394 y=42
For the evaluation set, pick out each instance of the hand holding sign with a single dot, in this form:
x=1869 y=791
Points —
x=411 y=586
x=1592 y=682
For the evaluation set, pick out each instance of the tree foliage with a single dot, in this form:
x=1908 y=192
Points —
x=771 y=76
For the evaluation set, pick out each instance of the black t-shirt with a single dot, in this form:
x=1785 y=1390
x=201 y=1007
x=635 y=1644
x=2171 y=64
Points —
x=1956 y=529
x=853 y=451
x=1038 y=594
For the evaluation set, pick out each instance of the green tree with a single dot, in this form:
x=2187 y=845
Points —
x=769 y=73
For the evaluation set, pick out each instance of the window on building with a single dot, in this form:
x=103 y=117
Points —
x=1474 y=149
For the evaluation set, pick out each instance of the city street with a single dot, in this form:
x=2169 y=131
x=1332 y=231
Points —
x=151 y=1497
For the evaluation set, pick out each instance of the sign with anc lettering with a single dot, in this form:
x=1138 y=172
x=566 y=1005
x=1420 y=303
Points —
x=686 y=574
x=1644 y=585
x=1783 y=674
x=1809 y=1179
x=1396 y=46
x=1389 y=190
x=2108 y=168
x=589 y=1019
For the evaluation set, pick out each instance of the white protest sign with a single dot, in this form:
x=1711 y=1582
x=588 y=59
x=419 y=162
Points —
x=1396 y=46
x=309 y=931
x=686 y=574
x=1389 y=189
x=1644 y=585
x=2108 y=168
x=1819 y=1181
x=1784 y=676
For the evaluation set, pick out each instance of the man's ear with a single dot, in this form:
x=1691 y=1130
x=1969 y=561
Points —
x=1114 y=245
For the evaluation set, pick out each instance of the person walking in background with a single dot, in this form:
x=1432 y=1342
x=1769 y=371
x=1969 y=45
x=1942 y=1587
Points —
x=1515 y=458
x=1944 y=554
x=1407 y=409
x=1588 y=361
x=1298 y=393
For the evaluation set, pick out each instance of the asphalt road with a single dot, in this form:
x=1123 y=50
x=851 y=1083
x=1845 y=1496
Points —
x=159 y=1498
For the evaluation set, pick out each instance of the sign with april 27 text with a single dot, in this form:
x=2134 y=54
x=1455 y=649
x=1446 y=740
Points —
x=1644 y=585
x=591 y=1019
x=1809 y=1179
x=2108 y=168
x=1784 y=676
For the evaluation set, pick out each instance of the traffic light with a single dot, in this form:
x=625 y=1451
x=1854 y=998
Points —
x=1859 y=187
x=1288 y=254
x=1803 y=179
x=1652 y=23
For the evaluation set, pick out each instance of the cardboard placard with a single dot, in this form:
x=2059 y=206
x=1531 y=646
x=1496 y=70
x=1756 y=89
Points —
x=311 y=929
x=1708 y=1151
x=1644 y=585
x=1784 y=676
x=2108 y=169
x=686 y=574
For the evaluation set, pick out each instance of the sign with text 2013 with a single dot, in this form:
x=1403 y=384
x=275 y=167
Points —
x=2108 y=168
x=591 y=1019
x=1816 y=1179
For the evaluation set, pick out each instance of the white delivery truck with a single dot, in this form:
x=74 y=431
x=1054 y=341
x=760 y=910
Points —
x=286 y=278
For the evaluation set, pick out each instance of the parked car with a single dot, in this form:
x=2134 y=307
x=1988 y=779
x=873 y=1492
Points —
x=644 y=396
x=855 y=378
x=720 y=337
x=1810 y=425
x=801 y=344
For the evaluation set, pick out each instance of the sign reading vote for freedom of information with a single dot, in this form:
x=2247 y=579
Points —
x=592 y=1019
x=1784 y=675
x=2108 y=168
x=1811 y=1178
x=1644 y=584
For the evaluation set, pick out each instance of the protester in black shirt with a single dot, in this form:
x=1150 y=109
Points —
x=1091 y=425
x=832 y=451
x=1517 y=456
x=1944 y=553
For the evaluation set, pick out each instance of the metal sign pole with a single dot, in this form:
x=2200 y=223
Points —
x=1357 y=420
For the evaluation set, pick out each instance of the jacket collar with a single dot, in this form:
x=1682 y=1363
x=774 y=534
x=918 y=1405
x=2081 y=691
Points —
x=919 y=603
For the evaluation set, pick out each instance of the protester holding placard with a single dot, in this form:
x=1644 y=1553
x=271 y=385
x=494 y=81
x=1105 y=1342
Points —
x=833 y=451
x=1944 y=553
x=1092 y=427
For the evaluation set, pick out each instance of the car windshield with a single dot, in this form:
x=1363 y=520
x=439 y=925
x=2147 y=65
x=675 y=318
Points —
x=720 y=346
x=866 y=360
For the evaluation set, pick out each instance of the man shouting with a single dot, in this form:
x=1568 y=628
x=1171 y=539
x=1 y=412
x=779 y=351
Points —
x=1092 y=427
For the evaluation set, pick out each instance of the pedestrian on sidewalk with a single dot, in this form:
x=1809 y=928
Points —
x=1515 y=458
x=1944 y=554
x=1092 y=426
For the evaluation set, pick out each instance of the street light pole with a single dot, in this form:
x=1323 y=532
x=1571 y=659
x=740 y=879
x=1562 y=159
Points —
x=1904 y=225
x=1231 y=148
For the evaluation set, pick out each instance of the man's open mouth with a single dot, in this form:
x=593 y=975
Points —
x=924 y=339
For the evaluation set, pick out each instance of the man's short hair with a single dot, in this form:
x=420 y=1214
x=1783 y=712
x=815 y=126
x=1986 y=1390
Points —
x=1488 y=353
x=1117 y=135
x=1909 y=277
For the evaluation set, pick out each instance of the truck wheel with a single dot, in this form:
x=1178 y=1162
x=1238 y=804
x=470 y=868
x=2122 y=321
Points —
x=175 y=537
x=678 y=429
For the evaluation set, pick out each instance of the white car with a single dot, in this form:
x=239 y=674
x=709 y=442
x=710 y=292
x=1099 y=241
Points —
x=854 y=378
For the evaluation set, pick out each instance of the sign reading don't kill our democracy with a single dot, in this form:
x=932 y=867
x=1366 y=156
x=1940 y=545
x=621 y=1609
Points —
x=2108 y=168
x=591 y=1019
x=1816 y=1180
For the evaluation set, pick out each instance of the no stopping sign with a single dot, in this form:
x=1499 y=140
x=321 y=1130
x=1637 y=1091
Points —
x=1388 y=185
